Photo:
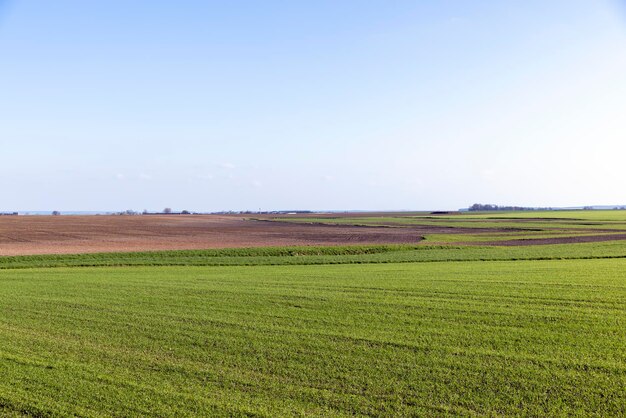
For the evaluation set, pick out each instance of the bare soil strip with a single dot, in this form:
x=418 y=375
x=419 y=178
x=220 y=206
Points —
x=556 y=240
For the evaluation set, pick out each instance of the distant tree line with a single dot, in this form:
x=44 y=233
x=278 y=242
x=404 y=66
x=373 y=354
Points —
x=488 y=207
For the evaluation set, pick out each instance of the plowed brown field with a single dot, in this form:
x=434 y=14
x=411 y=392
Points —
x=22 y=235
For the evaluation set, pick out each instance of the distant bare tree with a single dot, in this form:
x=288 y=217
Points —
x=186 y=212
x=56 y=213
x=167 y=210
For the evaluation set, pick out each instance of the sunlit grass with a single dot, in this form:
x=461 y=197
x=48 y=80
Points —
x=491 y=338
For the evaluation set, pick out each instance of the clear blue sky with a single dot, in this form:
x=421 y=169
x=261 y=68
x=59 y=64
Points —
x=207 y=105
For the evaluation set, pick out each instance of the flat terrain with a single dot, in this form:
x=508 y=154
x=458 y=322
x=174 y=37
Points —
x=21 y=235
x=79 y=234
x=471 y=315
x=463 y=338
x=490 y=228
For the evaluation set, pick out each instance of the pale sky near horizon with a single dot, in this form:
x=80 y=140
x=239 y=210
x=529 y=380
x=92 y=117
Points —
x=247 y=105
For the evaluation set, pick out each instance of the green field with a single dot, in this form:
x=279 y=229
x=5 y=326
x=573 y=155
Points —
x=369 y=254
x=488 y=227
x=376 y=330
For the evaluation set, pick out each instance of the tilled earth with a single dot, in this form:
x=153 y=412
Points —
x=24 y=235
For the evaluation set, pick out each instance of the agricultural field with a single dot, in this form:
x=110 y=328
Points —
x=434 y=327
x=499 y=228
x=21 y=235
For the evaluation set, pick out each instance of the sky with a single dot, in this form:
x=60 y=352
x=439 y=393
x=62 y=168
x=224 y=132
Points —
x=320 y=105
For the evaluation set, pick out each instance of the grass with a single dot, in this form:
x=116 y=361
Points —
x=368 y=254
x=475 y=223
x=466 y=338
x=585 y=215
x=491 y=237
x=376 y=330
